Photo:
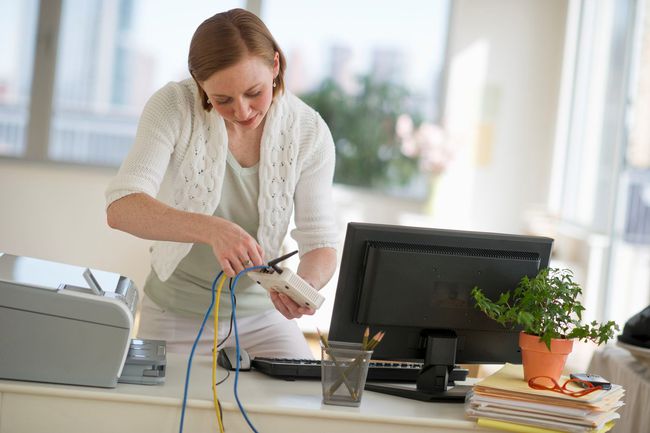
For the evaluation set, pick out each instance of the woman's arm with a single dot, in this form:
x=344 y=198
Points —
x=317 y=266
x=146 y=217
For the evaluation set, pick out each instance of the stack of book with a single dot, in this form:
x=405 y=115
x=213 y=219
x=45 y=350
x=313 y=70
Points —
x=506 y=402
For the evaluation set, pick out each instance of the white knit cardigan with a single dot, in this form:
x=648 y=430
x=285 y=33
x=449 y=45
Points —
x=179 y=156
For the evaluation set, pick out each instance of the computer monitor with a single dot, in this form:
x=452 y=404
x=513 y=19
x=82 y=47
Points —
x=415 y=283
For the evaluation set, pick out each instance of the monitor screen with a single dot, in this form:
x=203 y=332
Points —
x=415 y=283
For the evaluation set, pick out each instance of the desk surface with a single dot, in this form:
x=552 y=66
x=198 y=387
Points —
x=272 y=405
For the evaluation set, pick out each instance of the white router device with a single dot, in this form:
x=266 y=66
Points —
x=284 y=280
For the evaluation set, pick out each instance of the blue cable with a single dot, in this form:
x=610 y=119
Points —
x=198 y=337
x=237 y=365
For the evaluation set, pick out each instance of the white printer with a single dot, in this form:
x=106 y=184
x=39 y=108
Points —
x=59 y=326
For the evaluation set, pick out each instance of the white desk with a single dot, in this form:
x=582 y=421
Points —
x=619 y=366
x=272 y=405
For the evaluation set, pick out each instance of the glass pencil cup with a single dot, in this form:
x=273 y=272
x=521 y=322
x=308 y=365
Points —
x=344 y=368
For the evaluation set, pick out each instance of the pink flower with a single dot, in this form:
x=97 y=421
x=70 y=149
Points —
x=429 y=142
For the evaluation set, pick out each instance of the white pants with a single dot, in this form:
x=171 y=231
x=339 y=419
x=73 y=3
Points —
x=267 y=334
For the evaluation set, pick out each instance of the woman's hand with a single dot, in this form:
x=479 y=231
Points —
x=316 y=268
x=234 y=248
x=288 y=307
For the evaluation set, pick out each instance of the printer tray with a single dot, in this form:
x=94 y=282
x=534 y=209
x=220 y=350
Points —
x=145 y=363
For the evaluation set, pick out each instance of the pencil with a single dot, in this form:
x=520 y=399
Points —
x=343 y=377
x=375 y=341
x=366 y=333
x=372 y=341
x=323 y=340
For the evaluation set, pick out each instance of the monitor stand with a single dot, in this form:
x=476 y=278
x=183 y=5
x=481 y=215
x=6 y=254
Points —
x=436 y=379
x=455 y=394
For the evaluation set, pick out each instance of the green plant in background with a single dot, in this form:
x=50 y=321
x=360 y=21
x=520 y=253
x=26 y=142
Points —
x=363 y=127
x=546 y=305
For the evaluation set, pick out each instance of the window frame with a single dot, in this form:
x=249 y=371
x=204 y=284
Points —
x=42 y=89
x=41 y=98
x=602 y=229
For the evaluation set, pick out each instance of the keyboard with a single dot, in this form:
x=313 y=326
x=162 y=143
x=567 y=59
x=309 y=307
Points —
x=386 y=371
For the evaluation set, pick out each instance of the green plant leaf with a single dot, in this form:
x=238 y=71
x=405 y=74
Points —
x=546 y=305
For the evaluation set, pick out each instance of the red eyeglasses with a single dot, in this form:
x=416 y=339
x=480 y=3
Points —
x=549 y=384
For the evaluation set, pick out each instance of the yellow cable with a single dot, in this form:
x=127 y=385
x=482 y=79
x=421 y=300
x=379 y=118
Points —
x=214 y=353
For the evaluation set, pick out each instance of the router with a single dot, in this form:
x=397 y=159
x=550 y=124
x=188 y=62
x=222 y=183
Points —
x=284 y=280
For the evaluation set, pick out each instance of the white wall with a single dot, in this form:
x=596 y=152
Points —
x=503 y=87
x=56 y=213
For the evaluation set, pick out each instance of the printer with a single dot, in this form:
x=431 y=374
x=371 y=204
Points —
x=63 y=324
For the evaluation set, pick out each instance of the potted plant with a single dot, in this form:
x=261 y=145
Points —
x=548 y=310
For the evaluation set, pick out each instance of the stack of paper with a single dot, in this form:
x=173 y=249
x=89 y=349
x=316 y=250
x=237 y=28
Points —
x=506 y=402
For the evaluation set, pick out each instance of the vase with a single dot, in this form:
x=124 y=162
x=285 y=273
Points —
x=538 y=360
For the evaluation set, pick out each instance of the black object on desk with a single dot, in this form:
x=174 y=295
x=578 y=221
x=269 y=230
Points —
x=594 y=379
x=415 y=283
x=385 y=371
x=637 y=329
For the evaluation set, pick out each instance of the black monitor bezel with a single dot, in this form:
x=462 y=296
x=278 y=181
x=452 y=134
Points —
x=343 y=326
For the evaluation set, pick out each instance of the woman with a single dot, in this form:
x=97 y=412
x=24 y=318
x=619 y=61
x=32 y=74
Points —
x=220 y=164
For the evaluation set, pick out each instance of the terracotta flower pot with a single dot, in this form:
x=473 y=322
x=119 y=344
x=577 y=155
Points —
x=538 y=360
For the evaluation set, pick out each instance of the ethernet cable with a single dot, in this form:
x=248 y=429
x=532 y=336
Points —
x=215 y=348
x=196 y=341
x=237 y=364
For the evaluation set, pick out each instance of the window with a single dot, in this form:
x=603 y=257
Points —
x=100 y=60
x=17 y=39
x=109 y=56
x=363 y=65
x=601 y=168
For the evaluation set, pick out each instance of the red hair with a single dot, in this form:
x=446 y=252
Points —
x=226 y=38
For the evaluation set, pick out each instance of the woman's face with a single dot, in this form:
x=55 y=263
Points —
x=242 y=93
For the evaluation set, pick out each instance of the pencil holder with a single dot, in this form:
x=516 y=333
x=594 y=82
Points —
x=344 y=368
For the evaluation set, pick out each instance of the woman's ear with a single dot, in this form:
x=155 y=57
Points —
x=276 y=64
x=205 y=101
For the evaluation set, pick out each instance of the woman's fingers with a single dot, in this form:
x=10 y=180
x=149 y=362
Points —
x=255 y=257
x=279 y=305
x=227 y=268
x=234 y=248
x=260 y=253
x=287 y=307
